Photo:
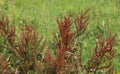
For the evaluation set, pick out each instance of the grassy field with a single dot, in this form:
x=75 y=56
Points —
x=105 y=18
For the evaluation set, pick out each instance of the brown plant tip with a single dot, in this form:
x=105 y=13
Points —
x=65 y=29
x=7 y=31
x=105 y=47
x=81 y=22
x=4 y=23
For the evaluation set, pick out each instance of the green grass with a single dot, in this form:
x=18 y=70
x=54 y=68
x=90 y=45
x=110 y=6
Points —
x=43 y=14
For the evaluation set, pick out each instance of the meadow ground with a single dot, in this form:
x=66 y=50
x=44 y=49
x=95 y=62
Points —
x=105 y=18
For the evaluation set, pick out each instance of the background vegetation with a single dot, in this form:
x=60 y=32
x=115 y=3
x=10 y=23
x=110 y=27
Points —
x=105 y=17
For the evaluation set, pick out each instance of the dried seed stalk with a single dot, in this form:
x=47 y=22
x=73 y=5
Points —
x=66 y=42
x=103 y=55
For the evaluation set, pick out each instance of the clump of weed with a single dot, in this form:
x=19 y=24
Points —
x=24 y=50
x=68 y=60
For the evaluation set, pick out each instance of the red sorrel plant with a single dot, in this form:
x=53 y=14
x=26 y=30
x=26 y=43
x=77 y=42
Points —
x=26 y=48
x=102 y=56
x=67 y=61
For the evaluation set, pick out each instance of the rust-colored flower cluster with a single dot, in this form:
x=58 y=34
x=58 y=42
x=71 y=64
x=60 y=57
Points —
x=66 y=41
x=6 y=31
x=26 y=47
x=103 y=55
x=65 y=38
